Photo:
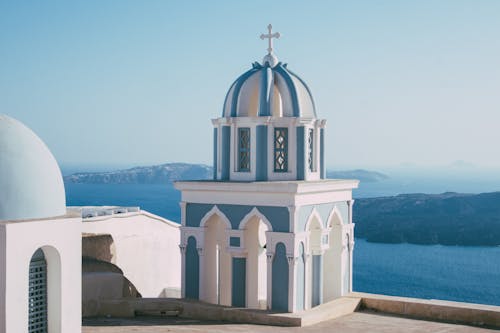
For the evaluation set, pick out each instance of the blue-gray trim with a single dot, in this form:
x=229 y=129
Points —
x=316 y=281
x=280 y=279
x=266 y=91
x=301 y=153
x=322 y=153
x=301 y=271
x=234 y=241
x=283 y=72
x=236 y=93
x=239 y=282
x=215 y=153
x=261 y=153
x=307 y=88
x=278 y=216
x=192 y=273
x=225 y=152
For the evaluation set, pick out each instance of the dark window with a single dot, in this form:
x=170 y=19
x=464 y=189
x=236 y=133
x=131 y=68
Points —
x=37 y=295
x=281 y=149
x=244 y=149
x=310 y=155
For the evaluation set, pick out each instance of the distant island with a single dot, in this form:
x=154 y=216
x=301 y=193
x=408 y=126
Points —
x=156 y=174
x=447 y=219
x=170 y=172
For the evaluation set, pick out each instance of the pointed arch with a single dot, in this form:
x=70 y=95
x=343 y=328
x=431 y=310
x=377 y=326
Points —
x=335 y=218
x=255 y=213
x=314 y=214
x=215 y=211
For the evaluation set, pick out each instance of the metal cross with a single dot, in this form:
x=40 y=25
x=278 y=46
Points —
x=270 y=37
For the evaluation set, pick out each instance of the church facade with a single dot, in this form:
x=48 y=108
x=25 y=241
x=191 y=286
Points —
x=269 y=231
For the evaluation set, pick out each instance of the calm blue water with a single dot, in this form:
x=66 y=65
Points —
x=456 y=273
x=468 y=274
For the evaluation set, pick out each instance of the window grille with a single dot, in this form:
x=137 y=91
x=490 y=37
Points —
x=244 y=149
x=37 y=302
x=281 y=149
x=310 y=155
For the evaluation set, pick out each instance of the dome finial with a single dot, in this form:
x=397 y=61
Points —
x=270 y=57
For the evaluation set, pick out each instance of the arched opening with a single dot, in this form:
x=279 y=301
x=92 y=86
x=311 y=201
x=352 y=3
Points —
x=301 y=274
x=37 y=304
x=44 y=291
x=331 y=271
x=217 y=263
x=192 y=269
x=256 y=272
x=316 y=262
x=279 y=296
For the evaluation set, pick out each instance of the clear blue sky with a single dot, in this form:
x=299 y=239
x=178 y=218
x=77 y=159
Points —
x=137 y=82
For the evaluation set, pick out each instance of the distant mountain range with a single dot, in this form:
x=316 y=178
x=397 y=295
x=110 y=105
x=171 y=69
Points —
x=448 y=219
x=359 y=174
x=156 y=174
x=170 y=172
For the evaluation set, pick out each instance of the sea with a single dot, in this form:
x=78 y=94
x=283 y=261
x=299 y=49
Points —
x=457 y=273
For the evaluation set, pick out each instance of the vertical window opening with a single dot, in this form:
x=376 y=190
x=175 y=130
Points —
x=310 y=155
x=281 y=149
x=244 y=149
x=37 y=296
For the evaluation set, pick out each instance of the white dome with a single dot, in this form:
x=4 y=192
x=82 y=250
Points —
x=269 y=90
x=31 y=184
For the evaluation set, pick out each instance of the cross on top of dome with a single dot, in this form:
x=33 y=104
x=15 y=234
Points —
x=270 y=57
x=270 y=37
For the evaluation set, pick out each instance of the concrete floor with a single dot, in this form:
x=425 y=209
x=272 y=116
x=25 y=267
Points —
x=358 y=322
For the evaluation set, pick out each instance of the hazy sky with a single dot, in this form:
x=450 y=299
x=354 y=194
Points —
x=137 y=82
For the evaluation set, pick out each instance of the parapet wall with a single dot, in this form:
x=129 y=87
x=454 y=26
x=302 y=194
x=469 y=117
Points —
x=433 y=310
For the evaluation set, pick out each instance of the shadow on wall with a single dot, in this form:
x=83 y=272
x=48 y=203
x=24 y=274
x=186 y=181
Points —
x=101 y=278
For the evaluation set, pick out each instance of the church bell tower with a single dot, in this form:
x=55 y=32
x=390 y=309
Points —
x=269 y=231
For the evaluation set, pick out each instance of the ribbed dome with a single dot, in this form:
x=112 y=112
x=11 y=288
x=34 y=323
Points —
x=269 y=91
x=31 y=184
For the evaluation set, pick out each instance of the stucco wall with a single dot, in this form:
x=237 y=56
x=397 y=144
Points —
x=147 y=250
x=60 y=240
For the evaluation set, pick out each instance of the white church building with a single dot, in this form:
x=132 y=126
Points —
x=269 y=231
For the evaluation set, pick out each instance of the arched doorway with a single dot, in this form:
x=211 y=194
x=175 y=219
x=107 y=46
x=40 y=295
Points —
x=216 y=262
x=256 y=273
x=192 y=276
x=331 y=261
x=301 y=274
x=316 y=270
x=37 y=299
x=279 y=296
x=44 y=291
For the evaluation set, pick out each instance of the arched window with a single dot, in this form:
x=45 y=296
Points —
x=37 y=303
x=281 y=149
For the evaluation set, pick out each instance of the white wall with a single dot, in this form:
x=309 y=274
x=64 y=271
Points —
x=147 y=249
x=60 y=239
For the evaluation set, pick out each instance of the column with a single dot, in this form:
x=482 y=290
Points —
x=270 y=257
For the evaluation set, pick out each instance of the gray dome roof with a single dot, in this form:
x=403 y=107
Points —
x=267 y=90
x=30 y=179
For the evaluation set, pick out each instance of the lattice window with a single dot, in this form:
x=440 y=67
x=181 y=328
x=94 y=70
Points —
x=244 y=149
x=310 y=155
x=281 y=149
x=37 y=302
